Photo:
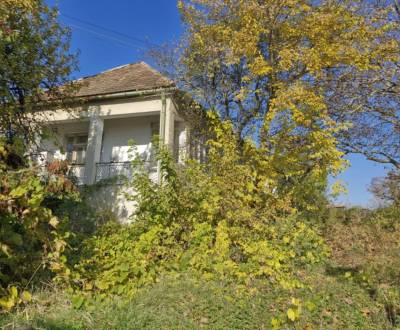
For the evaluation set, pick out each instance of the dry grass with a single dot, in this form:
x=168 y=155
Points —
x=362 y=241
x=366 y=250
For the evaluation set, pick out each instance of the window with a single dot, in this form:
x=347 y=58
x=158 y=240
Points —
x=76 y=148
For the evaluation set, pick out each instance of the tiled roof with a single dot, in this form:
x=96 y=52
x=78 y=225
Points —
x=131 y=77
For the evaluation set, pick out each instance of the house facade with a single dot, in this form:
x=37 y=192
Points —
x=131 y=103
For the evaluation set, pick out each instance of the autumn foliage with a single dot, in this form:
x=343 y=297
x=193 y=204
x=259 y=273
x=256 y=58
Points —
x=32 y=240
x=261 y=77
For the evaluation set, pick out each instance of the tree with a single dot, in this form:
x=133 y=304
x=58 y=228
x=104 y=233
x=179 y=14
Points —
x=267 y=67
x=370 y=100
x=236 y=53
x=34 y=63
x=6 y=5
x=387 y=189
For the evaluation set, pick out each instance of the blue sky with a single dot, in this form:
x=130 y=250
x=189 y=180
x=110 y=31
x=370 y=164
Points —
x=157 y=22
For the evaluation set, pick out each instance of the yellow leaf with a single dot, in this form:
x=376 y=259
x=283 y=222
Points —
x=88 y=286
x=101 y=285
x=54 y=222
x=296 y=302
x=26 y=296
x=14 y=292
x=275 y=323
x=7 y=303
x=291 y=314
x=5 y=249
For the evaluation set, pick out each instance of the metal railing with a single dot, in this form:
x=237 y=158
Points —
x=112 y=170
x=119 y=170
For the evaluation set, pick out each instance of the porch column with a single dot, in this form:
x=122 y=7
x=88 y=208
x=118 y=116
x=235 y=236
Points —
x=93 y=150
x=166 y=122
x=182 y=142
x=166 y=128
x=163 y=114
x=169 y=127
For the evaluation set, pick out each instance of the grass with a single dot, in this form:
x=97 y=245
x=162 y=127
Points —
x=187 y=304
x=357 y=289
x=366 y=250
x=365 y=244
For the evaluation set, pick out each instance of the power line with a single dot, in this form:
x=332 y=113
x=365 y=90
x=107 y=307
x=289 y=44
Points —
x=104 y=36
x=126 y=36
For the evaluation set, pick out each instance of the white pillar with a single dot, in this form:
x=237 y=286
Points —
x=166 y=127
x=182 y=142
x=93 y=150
x=163 y=114
x=169 y=126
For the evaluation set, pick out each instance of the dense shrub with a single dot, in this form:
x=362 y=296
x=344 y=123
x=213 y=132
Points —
x=32 y=238
x=222 y=220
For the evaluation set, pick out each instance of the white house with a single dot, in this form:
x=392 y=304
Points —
x=130 y=102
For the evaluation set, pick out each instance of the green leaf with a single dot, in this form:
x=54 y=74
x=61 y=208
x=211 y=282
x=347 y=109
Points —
x=18 y=192
x=16 y=239
x=310 y=306
x=77 y=302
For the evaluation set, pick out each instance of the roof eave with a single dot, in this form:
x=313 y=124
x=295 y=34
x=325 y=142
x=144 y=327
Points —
x=129 y=94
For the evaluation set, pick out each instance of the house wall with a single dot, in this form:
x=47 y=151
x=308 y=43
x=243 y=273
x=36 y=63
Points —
x=118 y=132
x=115 y=147
x=111 y=199
x=108 y=109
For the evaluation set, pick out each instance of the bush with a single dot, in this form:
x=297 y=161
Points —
x=219 y=221
x=32 y=238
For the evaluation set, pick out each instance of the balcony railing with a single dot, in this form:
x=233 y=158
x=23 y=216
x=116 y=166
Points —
x=112 y=170
x=117 y=170
x=120 y=170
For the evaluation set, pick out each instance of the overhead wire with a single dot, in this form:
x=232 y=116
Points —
x=104 y=36
x=113 y=37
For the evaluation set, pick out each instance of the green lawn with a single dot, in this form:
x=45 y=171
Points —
x=336 y=303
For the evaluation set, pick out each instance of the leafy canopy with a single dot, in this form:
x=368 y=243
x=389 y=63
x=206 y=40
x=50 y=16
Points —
x=34 y=61
x=267 y=66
